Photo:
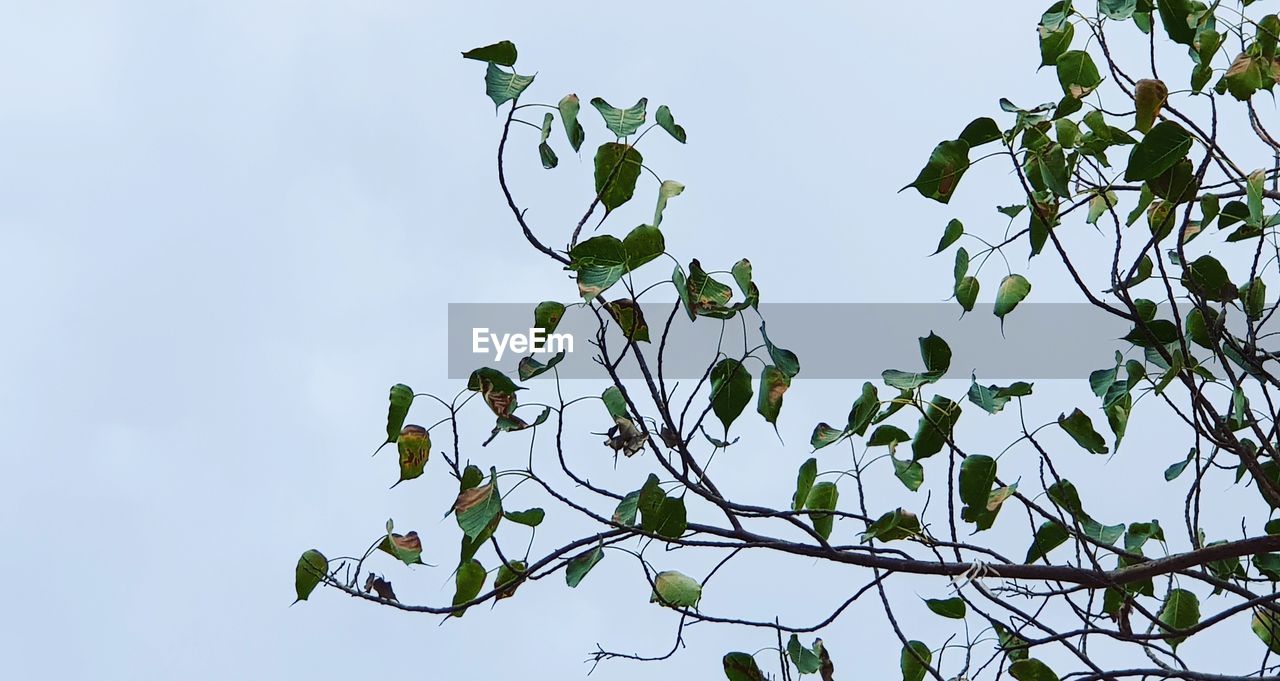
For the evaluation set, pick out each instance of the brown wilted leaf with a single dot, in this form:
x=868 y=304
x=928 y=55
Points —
x=827 y=670
x=380 y=586
x=1240 y=65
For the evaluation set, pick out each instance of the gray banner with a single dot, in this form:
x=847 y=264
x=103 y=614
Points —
x=833 y=341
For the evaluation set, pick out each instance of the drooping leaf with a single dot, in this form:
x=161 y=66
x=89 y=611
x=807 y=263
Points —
x=730 y=390
x=509 y=577
x=1048 y=537
x=785 y=360
x=569 y=108
x=468 y=583
x=980 y=131
x=935 y=427
x=668 y=122
x=414 y=448
x=311 y=570
x=1149 y=95
x=1014 y=288
x=804 y=483
x=773 y=385
x=630 y=319
x=1080 y=428
x=580 y=565
x=401 y=399
x=915 y=660
x=666 y=191
x=823 y=496
x=617 y=167
x=478 y=506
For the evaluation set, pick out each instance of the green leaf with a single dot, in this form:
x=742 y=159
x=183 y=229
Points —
x=915 y=660
x=580 y=565
x=864 y=410
x=936 y=355
x=617 y=167
x=909 y=473
x=1172 y=472
x=952 y=232
x=730 y=390
x=1139 y=534
x=1266 y=626
x=1253 y=296
x=1077 y=73
x=548 y=156
x=600 y=262
x=509 y=577
x=823 y=497
x=660 y=514
x=311 y=570
x=1048 y=537
x=1013 y=290
x=414 y=448
x=667 y=122
x=468 y=582
x=806 y=660
x=935 y=427
x=1031 y=669
x=773 y=385
x=530 y=367
x=953 y=608
x=401 y=399
x=625 y=514
x=977 y=475
x=675 y=589
x=894 y=525
x=501 y=53
x=621 y=122
x=532 y=517
x=947 y=164
x=967 y=293
x=1053 y=44
x=1254 y=191
x=569 y=107
x=1209 y=278
x=824 y=435
x=887 y=435
x=980 y=131
x=804 y=483
x=476 y=507
x=1118 y=10
x=1159 y=150
x=666 y=191
x=1176 y=17
x=1080 y=428
x=503 y=87
x=785 y=360
x=1181 y=610
x=547 y=316
x=742 y=667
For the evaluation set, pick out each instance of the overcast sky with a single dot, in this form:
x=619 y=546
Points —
x=226 y=228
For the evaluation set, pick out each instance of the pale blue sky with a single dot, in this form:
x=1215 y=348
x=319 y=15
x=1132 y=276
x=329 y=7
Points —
x=227 y=227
